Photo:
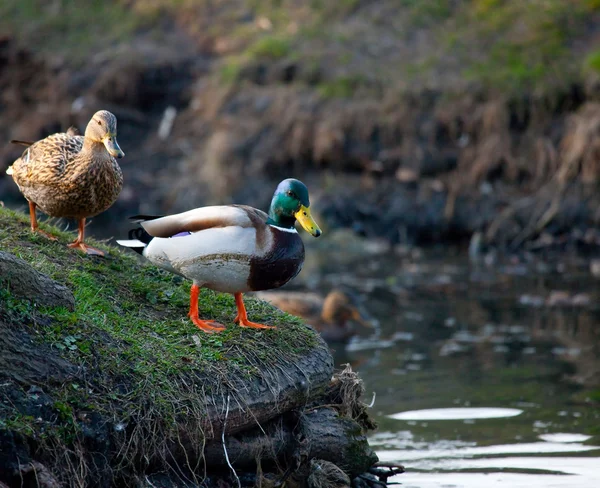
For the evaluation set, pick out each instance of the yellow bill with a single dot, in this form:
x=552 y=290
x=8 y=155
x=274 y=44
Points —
x=307 y=222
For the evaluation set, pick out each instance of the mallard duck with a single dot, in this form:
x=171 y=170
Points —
x=230 y=248
x=331 y=315
x=72 y=176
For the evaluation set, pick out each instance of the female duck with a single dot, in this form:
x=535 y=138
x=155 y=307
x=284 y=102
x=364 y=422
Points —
x=67 y=175
x=331 y=316
x=231 y=248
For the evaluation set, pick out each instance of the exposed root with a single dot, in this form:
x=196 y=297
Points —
x=237 y=479
x=344 y=392
x=324 y=474
x=37 y=474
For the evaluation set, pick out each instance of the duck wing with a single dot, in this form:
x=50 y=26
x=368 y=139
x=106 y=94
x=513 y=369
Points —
x=46 y=160
x=204 y=218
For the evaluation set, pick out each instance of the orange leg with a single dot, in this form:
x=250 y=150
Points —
x=242 y=316
x=204 y=325
x=79 y=244
x=34 y=223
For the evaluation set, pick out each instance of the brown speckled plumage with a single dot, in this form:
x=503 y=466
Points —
x=73 y=176
x=65 y=181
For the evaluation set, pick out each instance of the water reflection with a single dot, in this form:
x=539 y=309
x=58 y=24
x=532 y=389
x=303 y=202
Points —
x=456 y=414
x=452 y=334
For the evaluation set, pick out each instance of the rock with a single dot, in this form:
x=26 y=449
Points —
x=581 y=300
x=26 y=282
x=24 y=361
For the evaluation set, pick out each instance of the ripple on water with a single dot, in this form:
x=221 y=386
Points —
x=501 y=480
x=457 y=413
x=564 y=437
x=443 y=464
x=424 y=458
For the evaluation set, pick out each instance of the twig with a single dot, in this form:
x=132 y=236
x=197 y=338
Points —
x=370 y=405
x=239 y=483
x=393 y=469
x=537 y=224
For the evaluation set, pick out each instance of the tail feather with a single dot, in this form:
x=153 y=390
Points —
x=138 y=240
x=136 y=245
x=141 y=235
x=144 y=218
x=9 y=170
x=138 y=237
x=21 y=143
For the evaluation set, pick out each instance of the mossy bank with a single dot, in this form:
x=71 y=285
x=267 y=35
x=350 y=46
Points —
x=118 y=382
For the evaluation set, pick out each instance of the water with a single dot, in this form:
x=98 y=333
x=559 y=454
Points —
x=462 y=337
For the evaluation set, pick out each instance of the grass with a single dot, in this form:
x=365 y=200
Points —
x=507 y=46
x=68 y=28
x=341 y=87
x=516 y=47
x=271 y=47
x=592 y=61
x=146 y=363
x=230 y=71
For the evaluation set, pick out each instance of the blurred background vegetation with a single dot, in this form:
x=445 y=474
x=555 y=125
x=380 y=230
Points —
x=461 y=105
x=504 y=45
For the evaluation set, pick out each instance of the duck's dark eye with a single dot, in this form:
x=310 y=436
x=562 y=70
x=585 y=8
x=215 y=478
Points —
x=290 y=193
x=99 y=123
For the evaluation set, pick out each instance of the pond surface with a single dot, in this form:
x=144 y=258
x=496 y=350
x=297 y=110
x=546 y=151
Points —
x=497 y=348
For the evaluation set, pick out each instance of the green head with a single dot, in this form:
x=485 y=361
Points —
x=290 y=203
x=103 y=129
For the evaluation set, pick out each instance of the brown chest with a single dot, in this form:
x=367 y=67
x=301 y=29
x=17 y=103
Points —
x=278 y=266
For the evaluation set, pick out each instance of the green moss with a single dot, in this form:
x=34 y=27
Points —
x=22 y=424
x=592 y=61
x=342 y=87
x=480 y=38
x=130 y=332
x=271 y=47
x=230 y=71
x=67 y=26
x=593 y=4
x=532 y=54
x=426 y=12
